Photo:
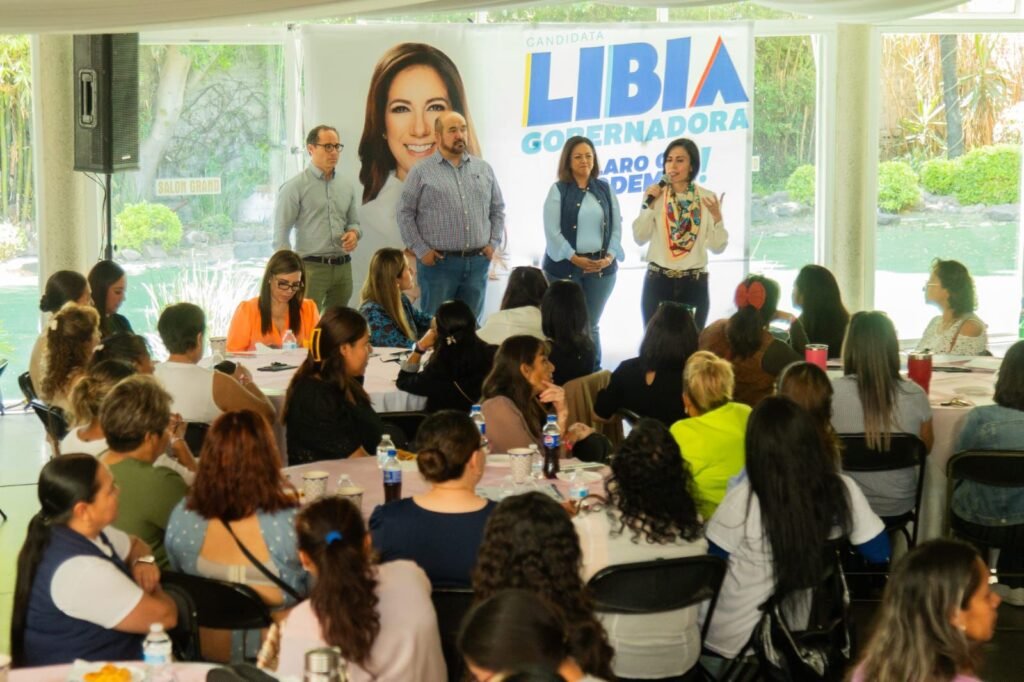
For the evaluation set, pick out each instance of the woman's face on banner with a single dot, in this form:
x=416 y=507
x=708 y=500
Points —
x=416 y=97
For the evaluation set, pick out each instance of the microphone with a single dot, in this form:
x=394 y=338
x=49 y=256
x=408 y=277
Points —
x=661 y=183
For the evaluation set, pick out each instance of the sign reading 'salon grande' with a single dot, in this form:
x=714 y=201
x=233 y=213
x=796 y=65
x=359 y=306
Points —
x=176 y=187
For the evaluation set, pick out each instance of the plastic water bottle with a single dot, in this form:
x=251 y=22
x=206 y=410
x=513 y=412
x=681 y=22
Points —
x=536 y=461
x=288 y=341
x=477 y=415
x=385 y=448
x=392 y=478
x=552 y=445
x=577 y=487
x=156 y=653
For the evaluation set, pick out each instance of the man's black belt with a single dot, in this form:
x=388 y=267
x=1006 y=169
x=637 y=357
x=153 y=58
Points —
x=328 y=260
x=464 y=253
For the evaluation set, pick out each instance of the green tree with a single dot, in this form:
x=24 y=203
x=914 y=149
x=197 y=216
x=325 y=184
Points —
x=15 y=136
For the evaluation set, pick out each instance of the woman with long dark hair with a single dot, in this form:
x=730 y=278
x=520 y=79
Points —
x=84 y=589
x=394 y=322
x=808 y=386
x=757 y=357
x=583 y=230
x=682 y=222
x=61 y=287
x=281 y=306
x=937 y=611
x=564 y=322
x=72 y=335
x=822 y=314
x=651 y=383
x=326 y=409
x=453 y=377
x=109 y=283
x=872 y=398
x=957 y=330
x=651 y=514
x=379 y=615
x=440 y=529
x=530 y=543
x=520 y=307
x=773 y=526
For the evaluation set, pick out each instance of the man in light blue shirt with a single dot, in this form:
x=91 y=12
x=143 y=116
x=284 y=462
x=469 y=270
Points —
x=321 y=208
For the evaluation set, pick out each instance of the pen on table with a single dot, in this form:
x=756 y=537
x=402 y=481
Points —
x=557 y=494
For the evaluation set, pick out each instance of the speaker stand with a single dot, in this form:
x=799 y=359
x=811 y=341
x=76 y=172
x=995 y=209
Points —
x=108 y=252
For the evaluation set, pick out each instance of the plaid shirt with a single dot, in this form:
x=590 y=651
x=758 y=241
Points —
x=451 y=208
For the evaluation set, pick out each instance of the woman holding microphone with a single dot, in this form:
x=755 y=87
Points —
x=583 y=230
x=682 y=222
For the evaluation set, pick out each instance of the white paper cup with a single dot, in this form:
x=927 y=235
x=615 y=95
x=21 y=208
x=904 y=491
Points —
x=519 y=460
x=354 y=493
x=314 y=485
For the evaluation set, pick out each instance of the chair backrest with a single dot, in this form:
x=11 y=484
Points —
x=195 y=434
x=659 y=585
x=220 y=604
x=27 y=389
x=184 y=635
x=53 y=419
x=451 y=605
x=408 y=424
x=1000 y=468
x=905 y=450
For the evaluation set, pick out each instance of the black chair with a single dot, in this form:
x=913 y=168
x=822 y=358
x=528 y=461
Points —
x=195 y=434
x=217 y=604
x=27 y=389
x=3 y=366
x=905 y=450
x=185 y=635
x=408 y=424
x=54 y=421
x=451 y=605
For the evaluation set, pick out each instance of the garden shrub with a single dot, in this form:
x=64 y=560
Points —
x=145 y=223
x=897 y=186
x=938 y=176
x=800 y=185
x=217 y=225
x=988 y=175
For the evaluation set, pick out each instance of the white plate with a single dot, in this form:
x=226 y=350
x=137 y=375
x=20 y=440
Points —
x=585 y=476
x=81 y=668
x=497 y=460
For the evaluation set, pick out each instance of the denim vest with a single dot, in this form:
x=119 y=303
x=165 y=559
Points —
x=572 y=198
x=992 y=427
x=51 y=636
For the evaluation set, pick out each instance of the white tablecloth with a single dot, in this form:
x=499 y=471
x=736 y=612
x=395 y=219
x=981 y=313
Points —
x=184 y=672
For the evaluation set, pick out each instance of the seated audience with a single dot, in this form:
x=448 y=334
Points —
x=200 y=394
x=73 y=333
x=563 y=312
x=530 y=543
x=84 y=589
x=136 y=418
x=125 y=347
x=651 y=383
x=453 y=377
x=808 y=386
x=520 y=307
x=379 y=615
x=937 y=612
x=995 y=512
x=109 y=283
x=239 y=499
x=822 y=314
x=440 y=529
x=957 y=331
x=651 y=514
x=327 y=411
x=773 y=526
x=62 y=287
x=394 y=322
x=517 y=635
x=757 y=357
x=281 y=306
x=712 y=439
x=872 y=398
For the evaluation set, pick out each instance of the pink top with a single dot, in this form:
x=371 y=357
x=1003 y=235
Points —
x=408 y=646
x=858 y=677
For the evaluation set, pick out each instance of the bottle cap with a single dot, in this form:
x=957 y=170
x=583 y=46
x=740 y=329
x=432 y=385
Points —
x=156 y=627
x=552 y=418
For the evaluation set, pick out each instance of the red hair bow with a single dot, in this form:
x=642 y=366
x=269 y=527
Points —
x=752 y=294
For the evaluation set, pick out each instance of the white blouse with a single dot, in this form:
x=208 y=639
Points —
x=950 y=341
x=650 y=227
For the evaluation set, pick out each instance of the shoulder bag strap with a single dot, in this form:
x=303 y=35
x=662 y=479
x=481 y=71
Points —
x=285 y=587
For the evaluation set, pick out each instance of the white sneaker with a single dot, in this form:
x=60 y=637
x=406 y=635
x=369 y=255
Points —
x=1010 y=595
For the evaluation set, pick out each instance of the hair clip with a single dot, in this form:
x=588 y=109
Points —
x=314 y=344
x=333 y=536
x=450 y=340
x=53 y=324
x=752 y=294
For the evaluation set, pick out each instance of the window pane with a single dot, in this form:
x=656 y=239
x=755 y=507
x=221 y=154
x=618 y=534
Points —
x=949 y=177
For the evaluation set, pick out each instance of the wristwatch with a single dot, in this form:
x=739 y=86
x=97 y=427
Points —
x=145 y=559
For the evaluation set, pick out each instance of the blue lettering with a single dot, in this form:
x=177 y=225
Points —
x=718 y=121
x=677 y=74
x=634 y=131
x=618 y=184
x=554 y=140
x=626 y=166
x=594 y=133
x=541 y=110
x=722 y=78
x=613 y=133
x=739 y=120
x=640 y=163
x=588 y=87
x=634 y=87
x=698 y=122
x=531 y=143
x=656 y=131
x=610 y=168
x=676 y=126
x=636 y=183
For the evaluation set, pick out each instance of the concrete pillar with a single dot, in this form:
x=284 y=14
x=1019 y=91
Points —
x=67 y=206
x=851 y=177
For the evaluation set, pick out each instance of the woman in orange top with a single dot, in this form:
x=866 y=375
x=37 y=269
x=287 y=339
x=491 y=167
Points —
x=281 y=306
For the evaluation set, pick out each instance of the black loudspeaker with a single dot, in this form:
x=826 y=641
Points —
x=106 y=102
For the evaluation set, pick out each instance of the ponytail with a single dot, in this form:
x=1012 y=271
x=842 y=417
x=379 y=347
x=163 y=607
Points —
x=757 y=299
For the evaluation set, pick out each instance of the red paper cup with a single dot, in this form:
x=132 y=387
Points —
x=919 y=369
x=817 y=354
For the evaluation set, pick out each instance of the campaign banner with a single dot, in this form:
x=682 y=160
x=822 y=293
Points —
x=525 y=90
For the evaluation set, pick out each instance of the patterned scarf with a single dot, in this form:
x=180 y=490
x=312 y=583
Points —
x=682 y=220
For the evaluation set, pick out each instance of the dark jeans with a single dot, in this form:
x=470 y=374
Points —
x=453 y=277
x=596 y=291
x=1009 y=540
x=690 y=291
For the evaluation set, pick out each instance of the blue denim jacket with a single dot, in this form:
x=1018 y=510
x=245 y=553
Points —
x=991 y=427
